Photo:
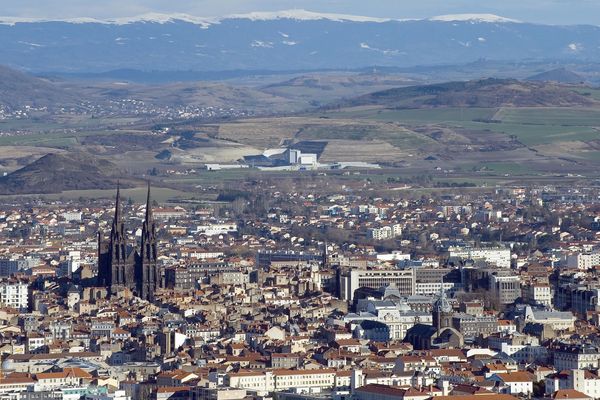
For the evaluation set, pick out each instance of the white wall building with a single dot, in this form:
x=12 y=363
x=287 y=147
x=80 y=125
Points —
x=299 y=381
x=558 y=320
x=580 y=380
x=499 y=256
x=576 y=357
x=385 y=232
x=14 y=295
x=537 y=294
x=516 y=382
x=398 y=317
x=217 y=229
x=582 y=261
x=351 y=280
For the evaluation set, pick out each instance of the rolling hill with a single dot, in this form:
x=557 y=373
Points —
x=22 y=91
x=54 y=173
x=486 y=93
x=18 y=90
x=559 y=75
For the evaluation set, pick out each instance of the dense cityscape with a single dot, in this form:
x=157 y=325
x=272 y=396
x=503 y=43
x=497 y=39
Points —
x=315 y=296
x=299 y=200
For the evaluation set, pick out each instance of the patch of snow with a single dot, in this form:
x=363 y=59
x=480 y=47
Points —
x=575 y=47
x=289 y=43
x=149 y=18
x=158 y=18
x=303 y=15
x=21 y=20
x=296 y=14
x=481 y=39
x=473 y=18
x=31 y=44
x=386 y=52
x=285 y=35
x=260 y=43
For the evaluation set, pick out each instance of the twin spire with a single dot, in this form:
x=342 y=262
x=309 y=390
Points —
x=118 y=214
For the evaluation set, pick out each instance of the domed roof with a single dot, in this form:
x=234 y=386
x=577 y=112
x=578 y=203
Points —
x=442 y=304
x=390 y=291
x=403 y=307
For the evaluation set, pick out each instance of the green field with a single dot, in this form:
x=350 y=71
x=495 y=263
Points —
x=41 y=140
x=591 y=92
x=161 y=195
x=204 y=177
x=531 y=126
x=40 y=125
x=393 y=134
x=509 y=168
x=54 y=139
x=550 y=116
x=426 y=115
x=532 y=135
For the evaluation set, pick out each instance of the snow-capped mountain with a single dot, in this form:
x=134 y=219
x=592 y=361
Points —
x=491 y=18
x=286 y=40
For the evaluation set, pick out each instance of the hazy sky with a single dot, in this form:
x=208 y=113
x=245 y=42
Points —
x=544 y=11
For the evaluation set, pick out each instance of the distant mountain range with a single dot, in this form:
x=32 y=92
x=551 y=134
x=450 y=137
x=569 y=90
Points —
x=289 y=40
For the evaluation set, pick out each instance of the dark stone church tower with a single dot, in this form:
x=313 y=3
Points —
x=123 y=266
x=442 y=312
x=151 y=276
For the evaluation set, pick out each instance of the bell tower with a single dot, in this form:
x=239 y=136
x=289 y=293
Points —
x=442 y=311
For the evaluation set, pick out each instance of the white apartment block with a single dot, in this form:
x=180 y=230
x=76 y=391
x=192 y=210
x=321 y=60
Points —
x=537 y=294
x=217 y=229
x=580 y=380
x=300 y=381
x=304 y=381
x=385 y=232
x=498 y=256
x=582 y=261
x=576 y=357
x=14 y=295
x=433 y=288
x=72 y=216
x=525 y=353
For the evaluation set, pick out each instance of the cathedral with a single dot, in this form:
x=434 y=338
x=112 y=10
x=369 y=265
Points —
x=121 y=265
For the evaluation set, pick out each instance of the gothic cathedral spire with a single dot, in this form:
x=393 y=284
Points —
x=119 y=266
x=150 y=273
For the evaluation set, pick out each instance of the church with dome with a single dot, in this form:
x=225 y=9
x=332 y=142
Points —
x=441 y=333
x=383 y=315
